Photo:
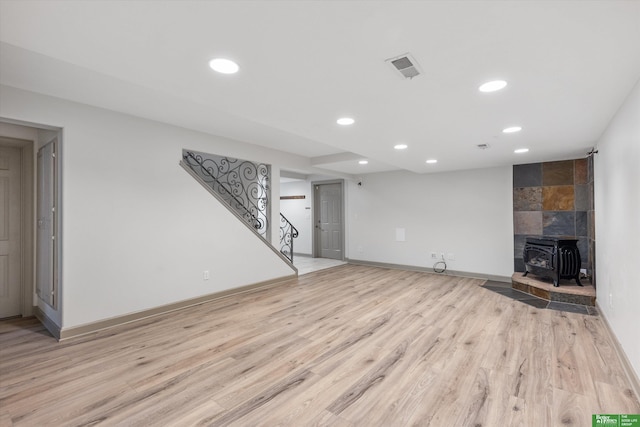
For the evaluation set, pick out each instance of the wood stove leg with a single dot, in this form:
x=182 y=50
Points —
x=555 y=283
x=525 y=274
x=578 y=281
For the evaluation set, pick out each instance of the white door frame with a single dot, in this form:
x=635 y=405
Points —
x=314 y=240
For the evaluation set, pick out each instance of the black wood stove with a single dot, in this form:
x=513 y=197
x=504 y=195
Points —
x=556 y=258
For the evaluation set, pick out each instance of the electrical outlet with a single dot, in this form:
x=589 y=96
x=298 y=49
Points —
x=451 y=256
x=434 y=255
x=205 y=275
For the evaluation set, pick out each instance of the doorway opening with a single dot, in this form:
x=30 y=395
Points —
x=16 y=216
x=20 y=247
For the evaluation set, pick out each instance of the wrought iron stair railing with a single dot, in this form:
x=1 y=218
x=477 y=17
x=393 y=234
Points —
x=242 y=184
x=244 y=187
x=287 y=233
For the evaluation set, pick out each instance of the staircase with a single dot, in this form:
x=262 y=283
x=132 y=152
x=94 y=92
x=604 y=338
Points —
x=243 y=187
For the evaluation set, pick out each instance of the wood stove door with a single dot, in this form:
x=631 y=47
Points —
x=539 y=256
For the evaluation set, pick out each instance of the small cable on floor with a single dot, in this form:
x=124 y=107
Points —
x=441 y=269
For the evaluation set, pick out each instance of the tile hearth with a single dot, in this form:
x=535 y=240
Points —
x=567 y=292
x=576 y=300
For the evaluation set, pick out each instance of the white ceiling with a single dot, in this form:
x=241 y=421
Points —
x=569 y=65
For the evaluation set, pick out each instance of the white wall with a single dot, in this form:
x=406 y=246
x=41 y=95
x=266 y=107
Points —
x=617 y=212
x=299 y=213
x=138 y=231
x=467 y=213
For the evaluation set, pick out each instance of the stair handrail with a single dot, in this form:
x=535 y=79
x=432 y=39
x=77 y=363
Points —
x=250 y=217
x=288 y=232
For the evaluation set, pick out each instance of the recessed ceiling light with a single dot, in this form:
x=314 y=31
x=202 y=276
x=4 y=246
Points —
x=224 y=66
x=493 y=86
x=521 y=150
x=432 y=161
x=345 y=121
x=512 y=129
x=400 y=146
x=363 y=162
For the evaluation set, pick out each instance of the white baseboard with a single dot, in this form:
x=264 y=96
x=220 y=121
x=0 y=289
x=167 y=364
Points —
x=76 y=331
x=506 y=279
x=632 y=375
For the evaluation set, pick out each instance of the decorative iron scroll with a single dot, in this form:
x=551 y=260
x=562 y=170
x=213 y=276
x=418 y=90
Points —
x=287 y=233
x=242 y=184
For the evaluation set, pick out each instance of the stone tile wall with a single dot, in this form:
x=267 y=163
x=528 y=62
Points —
x=554 y=199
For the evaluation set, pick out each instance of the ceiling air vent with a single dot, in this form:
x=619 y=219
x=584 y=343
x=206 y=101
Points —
x=405 y=65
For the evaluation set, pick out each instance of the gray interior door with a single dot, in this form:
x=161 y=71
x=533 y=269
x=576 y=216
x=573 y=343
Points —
x=10 y=229
x=329 y=227
x=45 y=259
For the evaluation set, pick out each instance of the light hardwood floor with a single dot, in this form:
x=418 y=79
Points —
x=306 y=264
x=347 y=346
